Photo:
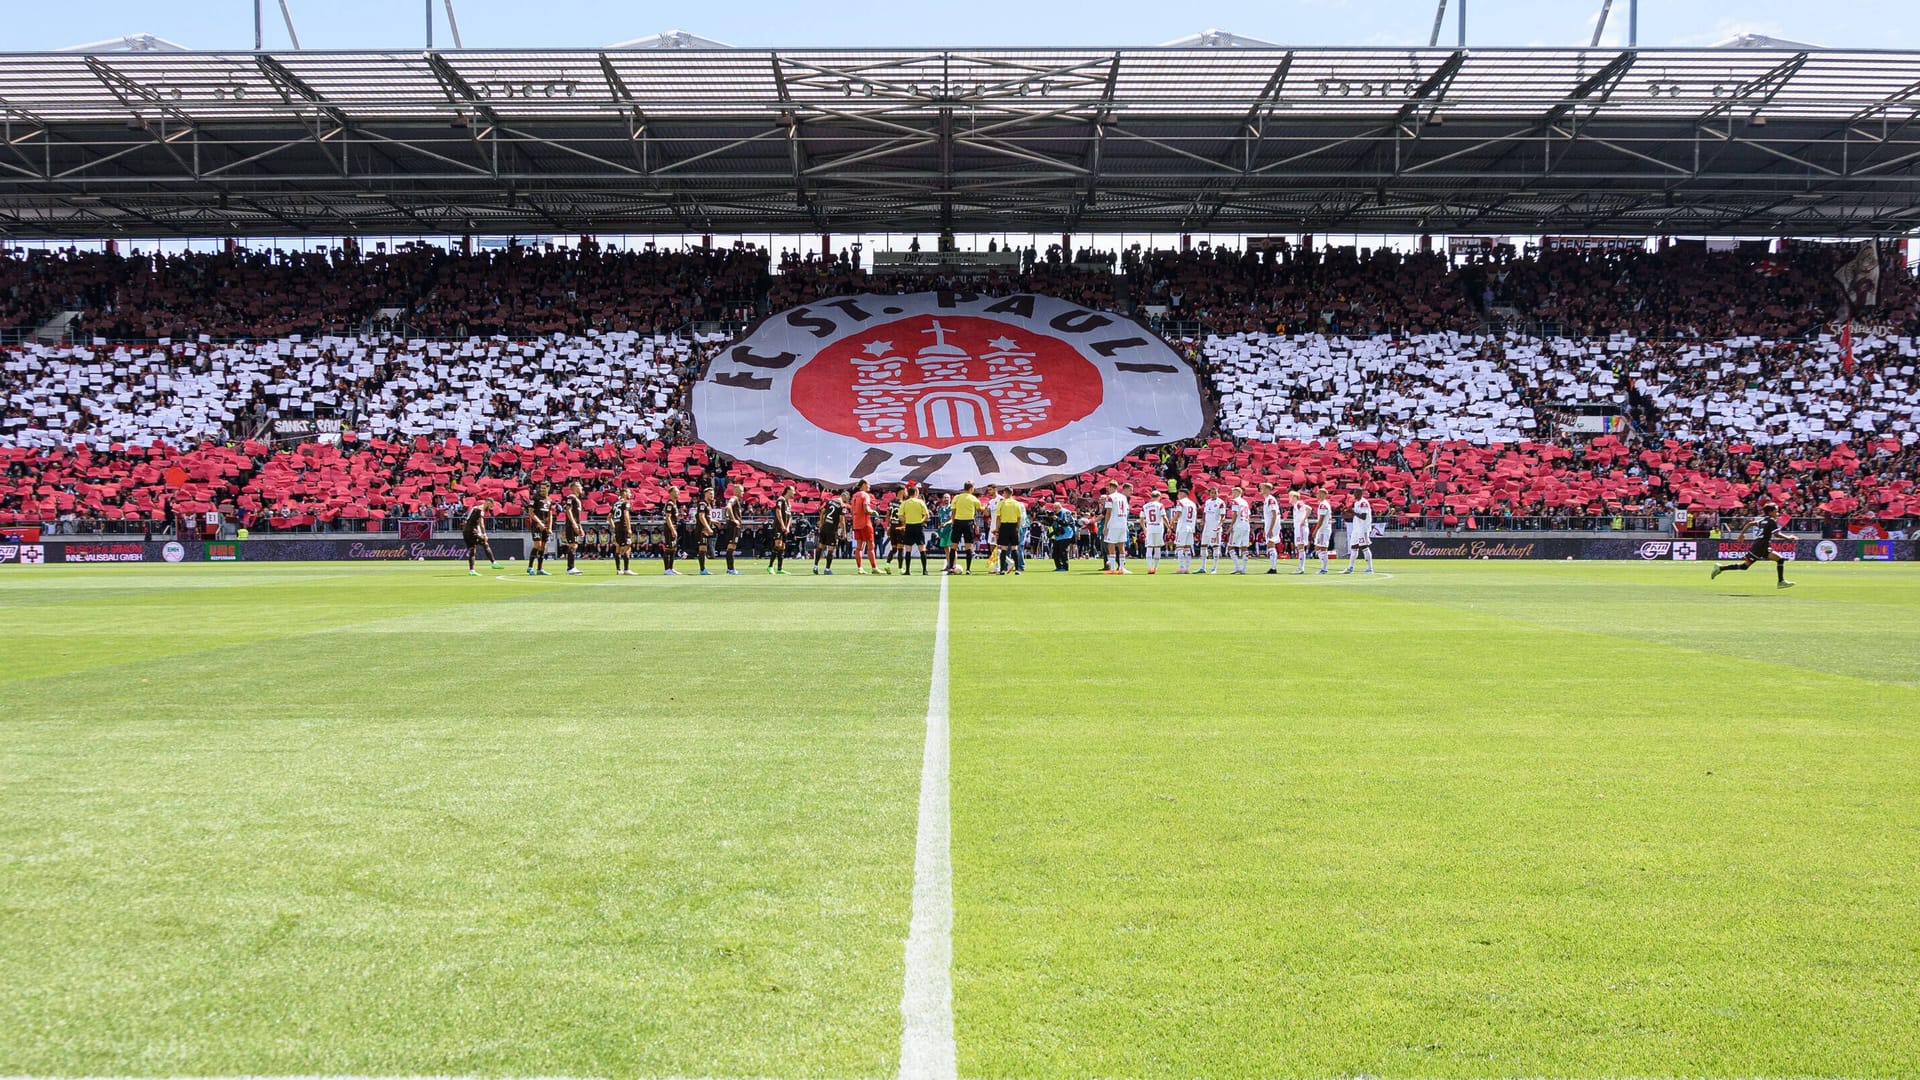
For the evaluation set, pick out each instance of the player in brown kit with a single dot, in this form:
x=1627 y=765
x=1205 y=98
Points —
x=730 y=527
x=782 y=526
x=670 y=531
x=704 y=528
x=540 y=526
x=620 y=523
x=474 y=532
x=572 y=531
x=827 y=539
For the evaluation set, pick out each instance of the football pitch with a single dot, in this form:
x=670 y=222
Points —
x=1451 y=820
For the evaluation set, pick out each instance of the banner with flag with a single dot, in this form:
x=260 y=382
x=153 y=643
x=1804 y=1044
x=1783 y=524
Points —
x=1860 y=277
x=1846 y=347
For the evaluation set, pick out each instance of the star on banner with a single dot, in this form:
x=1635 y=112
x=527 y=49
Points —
x=1004 y=343
x=761 y=439
x=878 y=348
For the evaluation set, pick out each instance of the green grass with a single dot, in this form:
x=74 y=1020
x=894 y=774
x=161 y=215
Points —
x=1468 y=820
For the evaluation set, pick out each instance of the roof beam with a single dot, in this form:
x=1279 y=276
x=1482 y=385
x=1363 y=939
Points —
x=1765 y=86
x=291 y=86
x=1597 y=87
x=1096 y=141
x=1433 y=86
x=458 y=90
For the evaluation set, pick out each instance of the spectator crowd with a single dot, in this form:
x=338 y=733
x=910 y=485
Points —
x=1717 y=380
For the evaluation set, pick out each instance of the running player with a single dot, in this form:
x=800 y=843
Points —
x=1271 y=523
x=1185 y=517
x=1113 y=529
x=1323 y=530
x=1213 y=516
x=1240 y=530
x=670 y=531
x=1765 y=529
x=860 y=510
x=833 y=515
x=782 y=526
x=1360 y=532
x=1153 y=522
x=704 y=527
x=572 y=531
x=474 y=532
x=540 y=526
x=730 y=527
x=620 y=523
x=966 y=507
x=913 y=531
x=1302 y=525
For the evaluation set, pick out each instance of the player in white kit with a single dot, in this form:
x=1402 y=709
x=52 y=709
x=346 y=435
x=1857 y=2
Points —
x=1114 y=532
x=1240 y=534
x=1185 y=517
x=1302 y=526
x=1323 y=530
x=1153 y=521
x=1213 y=514
x=1360 y=533
x=1270 y=525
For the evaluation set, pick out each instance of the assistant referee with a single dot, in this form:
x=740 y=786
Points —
x=1008 y=514
x=913 y=520
x=966 y=507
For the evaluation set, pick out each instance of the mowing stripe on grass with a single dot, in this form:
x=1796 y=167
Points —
x=926 y=1002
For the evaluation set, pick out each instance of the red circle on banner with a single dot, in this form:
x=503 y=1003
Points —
x=946 y=380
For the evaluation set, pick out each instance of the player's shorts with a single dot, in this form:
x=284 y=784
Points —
x=1156 y=537
x=730 y=535
x=1007 y=534
x=622 y=538
x=1242 y=536
x=963 y=533
x=1359 y=538
x=1323 y=539
x=573 y=536
x=914 y=535
x=541 y=536
x=863 y=536
x=1758 y=552
x=1116 y=532
x=1211 y=537
x=829 y=538
x=1183 y=537
x=1300 y=536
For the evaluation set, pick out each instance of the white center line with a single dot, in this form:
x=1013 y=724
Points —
x=926 y=1003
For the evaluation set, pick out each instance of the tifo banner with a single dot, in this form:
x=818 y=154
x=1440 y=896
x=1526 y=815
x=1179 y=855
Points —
x=943 y=388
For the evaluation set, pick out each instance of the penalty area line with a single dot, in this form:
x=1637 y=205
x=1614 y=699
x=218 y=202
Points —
x=926 y=1000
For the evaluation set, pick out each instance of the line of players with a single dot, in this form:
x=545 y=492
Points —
x=1222 y=522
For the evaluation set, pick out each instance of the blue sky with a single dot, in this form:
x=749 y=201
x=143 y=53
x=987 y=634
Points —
x=341 y=24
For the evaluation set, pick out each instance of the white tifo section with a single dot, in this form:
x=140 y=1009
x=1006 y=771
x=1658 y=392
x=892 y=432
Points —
x=926 y=1003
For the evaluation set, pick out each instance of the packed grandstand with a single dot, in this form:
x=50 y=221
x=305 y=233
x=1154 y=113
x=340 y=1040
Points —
x=1455 y=393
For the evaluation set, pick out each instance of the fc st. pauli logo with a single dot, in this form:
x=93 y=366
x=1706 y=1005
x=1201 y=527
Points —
x=944 y=388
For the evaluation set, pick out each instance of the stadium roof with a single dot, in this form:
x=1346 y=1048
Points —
x=1249 y=138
